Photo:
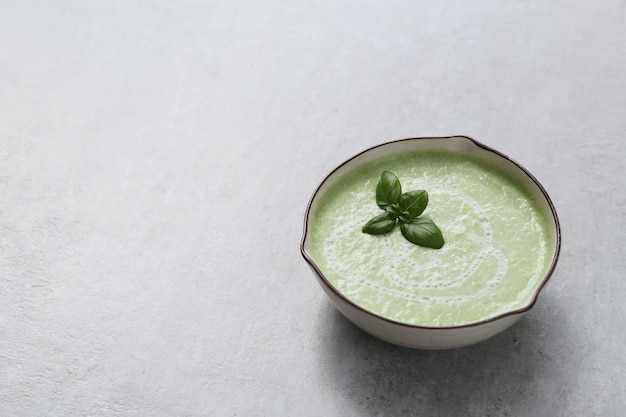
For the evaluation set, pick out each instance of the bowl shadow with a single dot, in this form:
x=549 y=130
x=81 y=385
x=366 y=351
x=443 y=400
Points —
x=495 y=377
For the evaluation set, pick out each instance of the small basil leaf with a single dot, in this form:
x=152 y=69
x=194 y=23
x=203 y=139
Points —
x=423 y=232
x=393 y=211
x=404 y=217
x=388 y=190
x=379 y=225
x=413 y=202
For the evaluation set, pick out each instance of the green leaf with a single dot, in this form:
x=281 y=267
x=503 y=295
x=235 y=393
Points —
x=407 y=208
x=388 y=190
x=423 y=232
x=413 y=203
x=379 y=225
x=393 y=211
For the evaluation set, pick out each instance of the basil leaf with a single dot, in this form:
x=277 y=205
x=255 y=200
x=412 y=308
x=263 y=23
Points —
x=413 y=203
x=407 y=208
x=388 y=190
x=423 y=232
x=379 y=225
x=393 y=211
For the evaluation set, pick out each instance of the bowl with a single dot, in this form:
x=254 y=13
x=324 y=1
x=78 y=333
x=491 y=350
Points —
x=475 y=258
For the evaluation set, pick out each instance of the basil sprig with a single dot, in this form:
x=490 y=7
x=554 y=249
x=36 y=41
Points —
x=405 y=209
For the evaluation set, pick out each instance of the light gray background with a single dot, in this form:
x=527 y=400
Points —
x=156 y=158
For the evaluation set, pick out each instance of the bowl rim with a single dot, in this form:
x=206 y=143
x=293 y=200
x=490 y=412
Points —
x=521 y=310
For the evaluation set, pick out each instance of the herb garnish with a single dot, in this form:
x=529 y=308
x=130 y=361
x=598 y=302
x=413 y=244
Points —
x=406 y=209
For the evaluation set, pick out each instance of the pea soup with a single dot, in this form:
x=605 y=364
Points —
x=497 y=242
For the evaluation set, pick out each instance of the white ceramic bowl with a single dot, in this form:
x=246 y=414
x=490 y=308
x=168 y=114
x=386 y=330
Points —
x=421 y=336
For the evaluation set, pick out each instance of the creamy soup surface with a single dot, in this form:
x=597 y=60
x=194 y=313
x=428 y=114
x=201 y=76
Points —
x=498 y=244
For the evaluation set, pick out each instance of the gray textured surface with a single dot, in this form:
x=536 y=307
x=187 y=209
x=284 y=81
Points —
x=156 y=159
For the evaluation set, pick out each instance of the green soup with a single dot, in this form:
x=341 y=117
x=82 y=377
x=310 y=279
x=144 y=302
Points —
x=498 y=244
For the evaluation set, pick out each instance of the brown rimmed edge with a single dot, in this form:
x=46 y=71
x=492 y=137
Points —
x=535 y=296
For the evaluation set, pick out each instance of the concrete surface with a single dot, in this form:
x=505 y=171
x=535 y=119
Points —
x=156 y=159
